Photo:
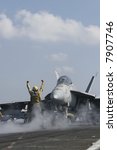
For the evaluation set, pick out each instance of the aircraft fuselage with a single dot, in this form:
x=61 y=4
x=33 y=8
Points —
x=61 y=94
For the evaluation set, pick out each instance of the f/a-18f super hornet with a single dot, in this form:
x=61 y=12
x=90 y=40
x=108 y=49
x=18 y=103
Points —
x=64 y=99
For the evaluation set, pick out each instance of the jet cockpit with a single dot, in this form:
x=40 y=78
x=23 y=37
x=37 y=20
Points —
x=64 y=80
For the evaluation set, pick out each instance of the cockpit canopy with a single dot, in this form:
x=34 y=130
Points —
x=64 y=80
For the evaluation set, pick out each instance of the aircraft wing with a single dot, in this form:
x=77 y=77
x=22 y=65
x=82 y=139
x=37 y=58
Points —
x=82 y=95
x=83 y=98
x=15 y=105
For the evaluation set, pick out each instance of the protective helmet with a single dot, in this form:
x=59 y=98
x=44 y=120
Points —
x=35 y=88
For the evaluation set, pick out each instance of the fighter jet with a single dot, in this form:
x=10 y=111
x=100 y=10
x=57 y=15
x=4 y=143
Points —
x=64 y=99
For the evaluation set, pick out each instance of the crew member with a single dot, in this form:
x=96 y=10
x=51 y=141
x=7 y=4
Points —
x=35 y=98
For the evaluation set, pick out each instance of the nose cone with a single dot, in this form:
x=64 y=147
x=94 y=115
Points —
x=57 y=95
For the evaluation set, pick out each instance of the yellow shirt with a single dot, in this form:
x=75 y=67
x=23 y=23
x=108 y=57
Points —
x=35 y=97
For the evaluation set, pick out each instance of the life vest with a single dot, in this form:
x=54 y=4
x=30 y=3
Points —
x=35 y=96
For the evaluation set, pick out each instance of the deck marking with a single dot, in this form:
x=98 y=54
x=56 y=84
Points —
x=95 y=146
x=11 y=146
x=13 y=143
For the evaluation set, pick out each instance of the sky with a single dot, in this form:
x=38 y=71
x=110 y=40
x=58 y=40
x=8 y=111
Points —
x=38 y=37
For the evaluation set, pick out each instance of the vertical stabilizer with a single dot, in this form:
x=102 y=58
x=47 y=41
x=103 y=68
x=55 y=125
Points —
x=89 y=85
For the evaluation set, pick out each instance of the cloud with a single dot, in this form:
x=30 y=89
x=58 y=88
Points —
x=7 y=29
x=46 y=27
x=58 y=57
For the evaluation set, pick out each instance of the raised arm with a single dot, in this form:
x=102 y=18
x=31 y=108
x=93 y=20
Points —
x=41 y=87
x=28 y=86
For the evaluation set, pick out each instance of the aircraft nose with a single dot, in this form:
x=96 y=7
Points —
x=57 y=95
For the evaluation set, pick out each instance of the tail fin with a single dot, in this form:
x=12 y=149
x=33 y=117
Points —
x=90 y=83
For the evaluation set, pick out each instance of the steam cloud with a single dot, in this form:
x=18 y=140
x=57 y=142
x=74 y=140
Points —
x=40 y=122
x=46 y=121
